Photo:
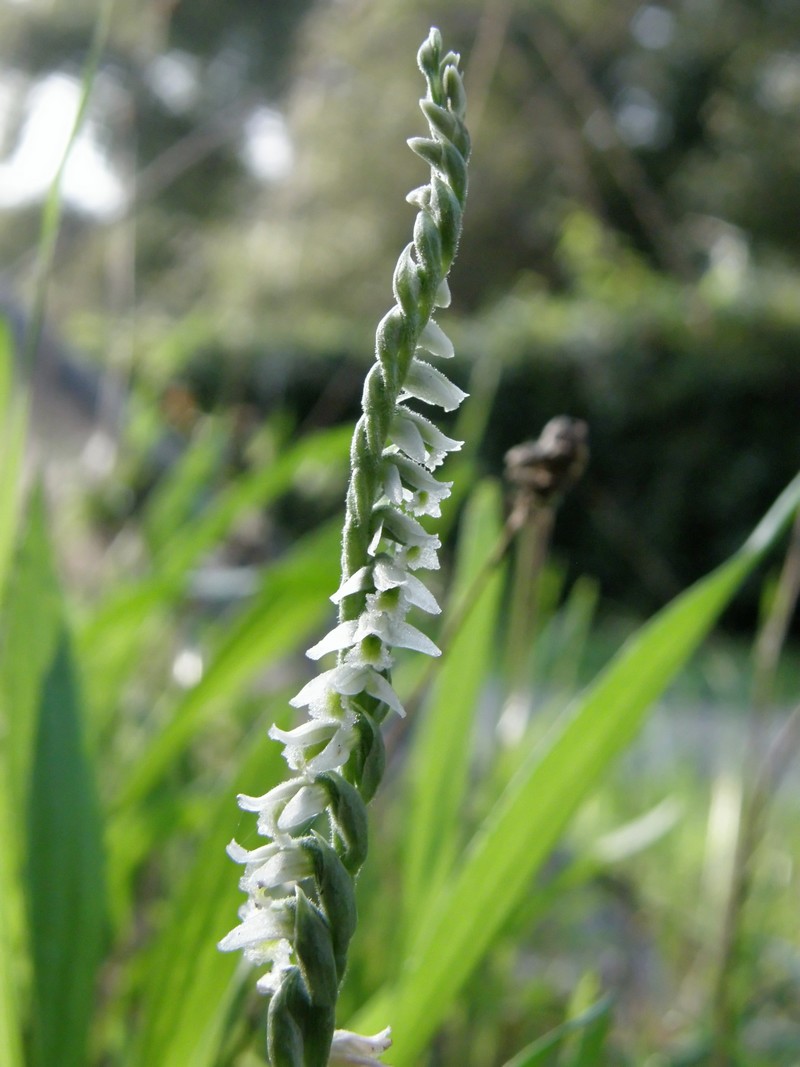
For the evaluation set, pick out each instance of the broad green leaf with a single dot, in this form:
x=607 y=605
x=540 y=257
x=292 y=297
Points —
x=284 y=612
x=64 y=873
x=189 y=983
x=440 y=759
x=529 y=818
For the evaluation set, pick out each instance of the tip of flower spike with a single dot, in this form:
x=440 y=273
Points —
x=430 y=52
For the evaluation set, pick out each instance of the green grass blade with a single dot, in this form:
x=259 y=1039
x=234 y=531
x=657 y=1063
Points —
x=64 y=873
x=10 y=1008
x=440 y=759
x=179 y=495
x=13 y=428
x=532 y=813
x=189 y=983
x=32 y=619
x=290 y=604
x=595 y=1019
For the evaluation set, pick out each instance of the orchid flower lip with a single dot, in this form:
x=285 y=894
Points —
x=348 y=1048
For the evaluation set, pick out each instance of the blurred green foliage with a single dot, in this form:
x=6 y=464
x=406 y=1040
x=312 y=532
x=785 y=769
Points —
x=630 y=253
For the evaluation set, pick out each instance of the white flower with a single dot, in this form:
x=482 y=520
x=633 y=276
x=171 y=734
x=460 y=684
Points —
x=406 y=435
x=419 y=439
x=428 y=491
x=281 y=960
x=429 y=384
x=353 y=1050
x=348 y=679
x=258 y=930
x=387 y=574
x=308 y=734
x=308 y=802
x=404 y=528
x=334 y=755
x=270 y=806
x=394 y=632
x=339 y=735
x=418 y=557
x=285 y=865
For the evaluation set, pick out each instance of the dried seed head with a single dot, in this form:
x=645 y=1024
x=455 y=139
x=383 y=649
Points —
x=551 y=465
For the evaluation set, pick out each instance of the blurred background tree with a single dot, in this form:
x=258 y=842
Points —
x=630 y=253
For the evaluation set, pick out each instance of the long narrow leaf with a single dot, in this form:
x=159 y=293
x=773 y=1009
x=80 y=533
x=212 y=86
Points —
x=10 y=1008
x=65 y=876
x=13 y=428
x=32 y=620
x=529 y=818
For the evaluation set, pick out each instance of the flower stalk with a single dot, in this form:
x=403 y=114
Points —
x=300 y=911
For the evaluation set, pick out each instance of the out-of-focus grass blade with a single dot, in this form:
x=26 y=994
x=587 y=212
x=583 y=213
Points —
x=561 y=646
x=13 y=427
x=189 y=983
x=290 y=604
x=10 y=1018
x=596 y=1019
x=584 y=1046
x=32 y=619
x=440 y=760
x=532 y=813
x=65 y=885
x=182 y=492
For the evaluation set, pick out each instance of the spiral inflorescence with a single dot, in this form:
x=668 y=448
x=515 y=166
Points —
x=300 y=913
